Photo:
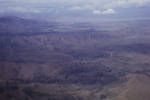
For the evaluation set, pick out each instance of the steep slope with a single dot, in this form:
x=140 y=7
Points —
x=134 y=87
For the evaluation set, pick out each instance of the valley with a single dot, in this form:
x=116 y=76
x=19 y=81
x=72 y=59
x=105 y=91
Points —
x=107 y=60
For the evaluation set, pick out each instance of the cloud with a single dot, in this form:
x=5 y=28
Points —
x=130 y=3
x=76 y=8
x=97 y=12
x=109 y=11
x=104 y=12
x=139 y=2
x=103 y=6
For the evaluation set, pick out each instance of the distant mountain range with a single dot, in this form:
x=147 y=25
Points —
x=121 y=14
x=16 y=25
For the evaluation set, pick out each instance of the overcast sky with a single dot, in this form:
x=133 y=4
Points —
x=98 y=7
